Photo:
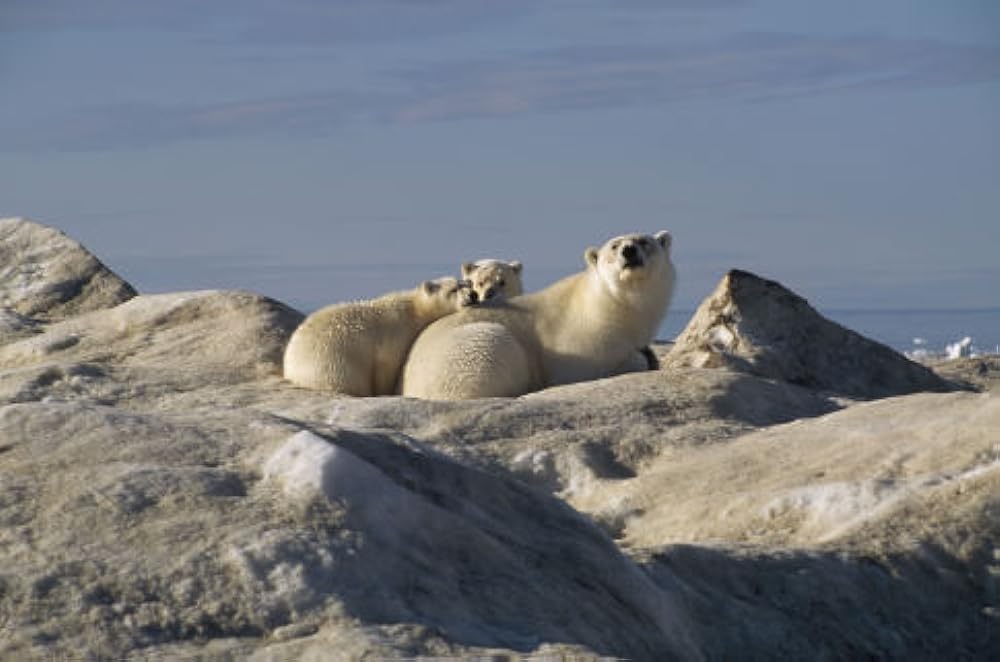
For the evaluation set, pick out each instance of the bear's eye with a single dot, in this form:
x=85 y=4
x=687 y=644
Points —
x=614 y=245
x=644 y=242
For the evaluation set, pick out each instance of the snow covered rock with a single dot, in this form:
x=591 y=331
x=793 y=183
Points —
x=48 y=276
x=484 y=560
x=209 y=334
x=758 y=326
x=563 y=439
x=837 y=477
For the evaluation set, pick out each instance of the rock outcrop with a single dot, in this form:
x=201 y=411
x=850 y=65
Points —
x=45 y=275
x=231 y=335
x=567 y=439
x=758 y=326
x=164 y=494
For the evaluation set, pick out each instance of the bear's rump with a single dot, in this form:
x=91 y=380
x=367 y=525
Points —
x=478 y=359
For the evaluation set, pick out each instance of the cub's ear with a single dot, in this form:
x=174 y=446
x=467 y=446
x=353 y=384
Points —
x=590 y=255
x=516 y=266
x=430 y=286
x=663 y=238
x=468 y=268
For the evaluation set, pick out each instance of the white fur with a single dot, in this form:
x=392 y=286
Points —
x=583 y=327
x=493 y=280
x=358 y=348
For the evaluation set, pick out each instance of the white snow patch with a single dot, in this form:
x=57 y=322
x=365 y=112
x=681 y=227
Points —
x=721 y=339
x=536 y=463
x=837 y=508
x=308 y=461
x=566 y=473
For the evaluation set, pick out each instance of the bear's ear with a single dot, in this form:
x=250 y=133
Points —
x=468 y=268
x=663 y=238
x=430 y=286
x=590 y=255
x=516 y=266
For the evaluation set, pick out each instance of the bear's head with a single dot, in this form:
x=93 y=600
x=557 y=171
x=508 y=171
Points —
x=633 y=265
x=443 y=296
x=494 y=279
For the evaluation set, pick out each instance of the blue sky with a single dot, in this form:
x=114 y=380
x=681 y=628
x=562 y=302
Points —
x=320 y=151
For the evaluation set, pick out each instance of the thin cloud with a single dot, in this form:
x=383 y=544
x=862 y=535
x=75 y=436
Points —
x=747 y=67
x=309 y=20
x=751 y=66
x=140 y=125
x=264 y=21
x=19 y=16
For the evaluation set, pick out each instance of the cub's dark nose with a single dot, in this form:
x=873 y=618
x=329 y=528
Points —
x=629 y=252
x=473 y=296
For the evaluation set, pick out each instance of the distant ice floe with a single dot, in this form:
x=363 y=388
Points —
x=960 y=349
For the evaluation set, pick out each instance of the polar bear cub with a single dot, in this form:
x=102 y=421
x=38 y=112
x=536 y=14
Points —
x=494 y=279
x=358 y=348
x=585 y=326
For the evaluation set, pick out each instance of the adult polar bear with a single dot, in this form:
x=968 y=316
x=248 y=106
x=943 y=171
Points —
x=585 y=326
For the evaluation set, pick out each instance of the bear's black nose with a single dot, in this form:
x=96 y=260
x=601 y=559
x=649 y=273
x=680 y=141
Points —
x=473 y=297
x=629 y=252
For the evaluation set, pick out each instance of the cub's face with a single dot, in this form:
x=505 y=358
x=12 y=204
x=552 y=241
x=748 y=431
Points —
x=494 y=279
x=444 y=295
x=632 y=261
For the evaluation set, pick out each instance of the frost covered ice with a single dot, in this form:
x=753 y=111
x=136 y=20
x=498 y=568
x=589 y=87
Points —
x=959 y=349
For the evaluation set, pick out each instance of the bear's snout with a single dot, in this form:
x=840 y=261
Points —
x=632 y=256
